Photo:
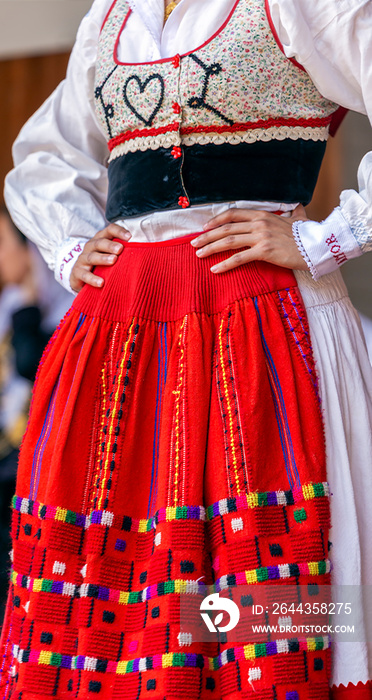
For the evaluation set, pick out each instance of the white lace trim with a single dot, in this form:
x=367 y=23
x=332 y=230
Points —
x=278 y=133
x=145 y=143
x=273 y=133
x=300 y=246
x=297 y=237
x=362 y=234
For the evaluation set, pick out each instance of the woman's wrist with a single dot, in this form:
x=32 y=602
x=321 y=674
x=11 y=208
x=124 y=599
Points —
x=65 y=257
x=326 y=245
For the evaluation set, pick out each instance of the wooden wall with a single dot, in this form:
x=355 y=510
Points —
x=327 y=192
x=25 y=83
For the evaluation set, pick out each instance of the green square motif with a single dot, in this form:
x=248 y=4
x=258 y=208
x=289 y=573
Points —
x=300 y=515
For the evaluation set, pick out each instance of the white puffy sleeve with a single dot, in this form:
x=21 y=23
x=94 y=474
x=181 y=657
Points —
x=333 y=42
x=56 y=192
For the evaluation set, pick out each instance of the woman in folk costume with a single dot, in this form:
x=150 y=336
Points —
x=205 y=403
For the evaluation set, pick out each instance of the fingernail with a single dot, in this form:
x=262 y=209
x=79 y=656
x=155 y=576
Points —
x=214 y=268
x=118 y=247
x=127 y=236
x=111 y=258
x=194 y=241
x=199 y=252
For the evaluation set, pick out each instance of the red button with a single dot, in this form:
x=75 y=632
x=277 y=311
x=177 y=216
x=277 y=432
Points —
x=176 y=108
x=183 y=202
x=176 y=61
x=176 y=152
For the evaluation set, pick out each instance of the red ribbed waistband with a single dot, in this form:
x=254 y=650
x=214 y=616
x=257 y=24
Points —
x=165 y=280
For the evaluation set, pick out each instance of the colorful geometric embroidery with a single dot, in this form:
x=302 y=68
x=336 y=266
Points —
x=265 y=573
x=298 y=326
x=225 y=505
x=248 y=652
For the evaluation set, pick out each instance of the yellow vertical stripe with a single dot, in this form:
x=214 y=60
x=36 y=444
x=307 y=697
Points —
x=229 y=410
x=178 y=393
x=101 y=433
x=114 y=412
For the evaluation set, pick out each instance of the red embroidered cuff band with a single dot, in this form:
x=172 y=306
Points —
x=66 y=256
x=327 y=245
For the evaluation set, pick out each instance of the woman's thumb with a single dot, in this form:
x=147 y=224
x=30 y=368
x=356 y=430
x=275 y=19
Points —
x=299 y=213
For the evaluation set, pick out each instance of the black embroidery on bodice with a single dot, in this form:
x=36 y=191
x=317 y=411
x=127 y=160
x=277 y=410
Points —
x=142 y=85
x=201 y=102
x=108 y=109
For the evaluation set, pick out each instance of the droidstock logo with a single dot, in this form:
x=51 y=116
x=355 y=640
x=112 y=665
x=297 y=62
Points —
x=213 y=602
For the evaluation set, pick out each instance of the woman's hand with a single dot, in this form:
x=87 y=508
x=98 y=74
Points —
x=268 y=236
x=99 y=250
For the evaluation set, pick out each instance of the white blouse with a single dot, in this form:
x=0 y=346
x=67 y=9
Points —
x=57 y=191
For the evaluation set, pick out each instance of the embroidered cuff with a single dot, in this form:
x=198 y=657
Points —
x=65 y=258
x=326 y=245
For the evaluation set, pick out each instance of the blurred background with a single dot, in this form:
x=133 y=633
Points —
x=36 y=37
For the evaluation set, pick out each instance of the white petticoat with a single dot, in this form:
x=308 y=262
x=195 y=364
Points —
x=345 y=378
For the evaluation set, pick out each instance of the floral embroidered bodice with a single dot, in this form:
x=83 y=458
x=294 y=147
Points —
x=236 y=91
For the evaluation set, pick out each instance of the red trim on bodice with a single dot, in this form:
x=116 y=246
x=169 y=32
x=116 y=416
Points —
x=276 y=37
x=247 y=126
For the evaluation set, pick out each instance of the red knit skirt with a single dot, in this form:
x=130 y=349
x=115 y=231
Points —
x=175 y=441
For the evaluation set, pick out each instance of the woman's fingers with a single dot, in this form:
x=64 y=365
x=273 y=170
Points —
x=267 y=236
x=238 y=238
x=231 y=222
x=220 y=232
x=80 y=275
x=113 y=231
x=99 y=250
x=299 y=214
x=95 y=258
x=88 y=277
x=235 y=260
x=235 y=215
x=103 y=245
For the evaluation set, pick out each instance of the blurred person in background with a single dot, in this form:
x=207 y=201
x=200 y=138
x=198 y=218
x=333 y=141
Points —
x=31 y=305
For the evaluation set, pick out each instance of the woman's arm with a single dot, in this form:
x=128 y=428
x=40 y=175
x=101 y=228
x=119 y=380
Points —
x=56 y=192
x=332 y=40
